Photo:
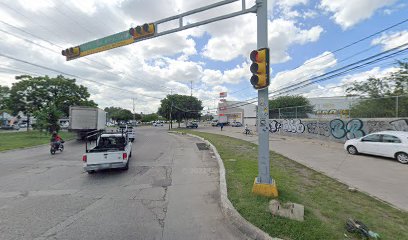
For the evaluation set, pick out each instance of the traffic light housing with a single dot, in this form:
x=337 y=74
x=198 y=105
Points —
x=145 y=30
x=71 y=53
x=260 y=68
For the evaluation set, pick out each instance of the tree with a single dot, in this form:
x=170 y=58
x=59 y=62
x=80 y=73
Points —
x=119 y=114
x=289 y=107
x=32 y=94
x=48 y=118
x=150 y=117
x=380 y=95
x=4 y=96
x=180 y=106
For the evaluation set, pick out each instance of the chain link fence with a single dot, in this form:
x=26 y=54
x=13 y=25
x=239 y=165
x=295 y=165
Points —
x=346 y=108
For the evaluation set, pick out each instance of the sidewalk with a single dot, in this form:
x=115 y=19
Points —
x=381 y=177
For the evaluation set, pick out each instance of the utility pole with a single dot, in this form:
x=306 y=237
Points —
x=171 y=120
x=134 y=116
x=191 y=88
x=263 y=184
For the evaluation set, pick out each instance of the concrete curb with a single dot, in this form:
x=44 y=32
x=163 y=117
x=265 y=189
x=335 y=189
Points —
x=227 y=208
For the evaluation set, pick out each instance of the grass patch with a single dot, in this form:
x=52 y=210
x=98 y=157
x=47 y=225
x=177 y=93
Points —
x=14 y=140
x=327 y=202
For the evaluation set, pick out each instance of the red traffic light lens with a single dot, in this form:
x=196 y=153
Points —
x=131 y=31
x=253 y=56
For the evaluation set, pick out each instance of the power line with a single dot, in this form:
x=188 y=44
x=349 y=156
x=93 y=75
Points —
x=346 y=69
x=72 y=75
x=54 y=51
x=337 y=70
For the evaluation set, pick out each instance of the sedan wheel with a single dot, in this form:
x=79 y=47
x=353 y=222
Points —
x=402 y=158
x=352 y=150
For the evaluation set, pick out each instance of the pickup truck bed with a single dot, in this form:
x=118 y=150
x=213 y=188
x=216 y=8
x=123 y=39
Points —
x=111 y=151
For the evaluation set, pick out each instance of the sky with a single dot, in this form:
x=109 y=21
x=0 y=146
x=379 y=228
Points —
x=304 y=37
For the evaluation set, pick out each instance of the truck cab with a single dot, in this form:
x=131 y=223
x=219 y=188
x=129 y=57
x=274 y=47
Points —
x=112 y=150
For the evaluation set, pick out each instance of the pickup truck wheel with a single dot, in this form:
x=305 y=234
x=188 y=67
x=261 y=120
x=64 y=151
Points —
x=91 y=172
x=126 y=166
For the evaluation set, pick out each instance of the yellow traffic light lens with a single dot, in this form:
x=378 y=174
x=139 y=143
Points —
x=258 y=68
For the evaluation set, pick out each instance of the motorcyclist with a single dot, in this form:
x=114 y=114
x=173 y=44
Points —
x=56 y=139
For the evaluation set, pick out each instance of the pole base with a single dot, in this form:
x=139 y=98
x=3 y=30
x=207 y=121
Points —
x=265 y=189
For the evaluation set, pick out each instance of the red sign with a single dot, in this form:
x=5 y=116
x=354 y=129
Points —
x=221 y=114
x=223 y=94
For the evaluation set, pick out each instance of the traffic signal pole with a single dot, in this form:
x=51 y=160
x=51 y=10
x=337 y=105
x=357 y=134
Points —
x=263 y=184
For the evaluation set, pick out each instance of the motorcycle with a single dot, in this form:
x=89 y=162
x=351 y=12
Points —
x=56 y=147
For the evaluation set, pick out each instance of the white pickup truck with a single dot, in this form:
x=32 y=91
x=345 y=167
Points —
x=112 y=150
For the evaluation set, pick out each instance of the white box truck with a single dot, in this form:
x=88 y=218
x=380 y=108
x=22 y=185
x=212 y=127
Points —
x=86 y=119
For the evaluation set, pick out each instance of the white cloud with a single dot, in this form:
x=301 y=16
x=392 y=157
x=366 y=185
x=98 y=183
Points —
x=391 y=40
x=348 y=13
x=310 y=68
x=236 y=40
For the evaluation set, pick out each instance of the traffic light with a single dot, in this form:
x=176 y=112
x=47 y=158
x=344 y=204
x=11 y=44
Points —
x=260 y=68
x=143 y=31
x=70 y=53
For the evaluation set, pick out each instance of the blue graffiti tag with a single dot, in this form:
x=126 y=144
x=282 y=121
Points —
x=353 y=128
x=337 y=128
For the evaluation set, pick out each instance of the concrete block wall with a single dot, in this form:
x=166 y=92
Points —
x=338 y=130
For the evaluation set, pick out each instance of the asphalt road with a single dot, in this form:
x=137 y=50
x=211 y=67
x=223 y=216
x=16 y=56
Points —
x=169 y=192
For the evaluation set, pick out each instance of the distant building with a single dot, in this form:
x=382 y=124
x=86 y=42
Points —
x=330 y=107
x=237 y=111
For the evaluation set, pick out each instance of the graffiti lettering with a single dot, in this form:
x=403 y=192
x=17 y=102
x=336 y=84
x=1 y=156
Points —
x=274 y=126
x=293 y=126
x=400 y=124
x=337 y=128
x=376 y=126
x=320 y=128
x=354 y=129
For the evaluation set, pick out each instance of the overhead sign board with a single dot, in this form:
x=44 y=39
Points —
x=109 y=42
x=106 y=43
x=223 y=94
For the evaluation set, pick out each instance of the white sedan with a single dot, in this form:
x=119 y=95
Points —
x=393 y=144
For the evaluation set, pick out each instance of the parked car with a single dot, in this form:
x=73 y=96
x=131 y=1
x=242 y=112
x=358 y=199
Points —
x=192 y=125
x=236 y=124
x=214 y=123
x=23 y=125
x=393 y=144
x=157 y=124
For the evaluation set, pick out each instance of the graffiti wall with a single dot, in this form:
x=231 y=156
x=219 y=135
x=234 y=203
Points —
x=335 y=129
